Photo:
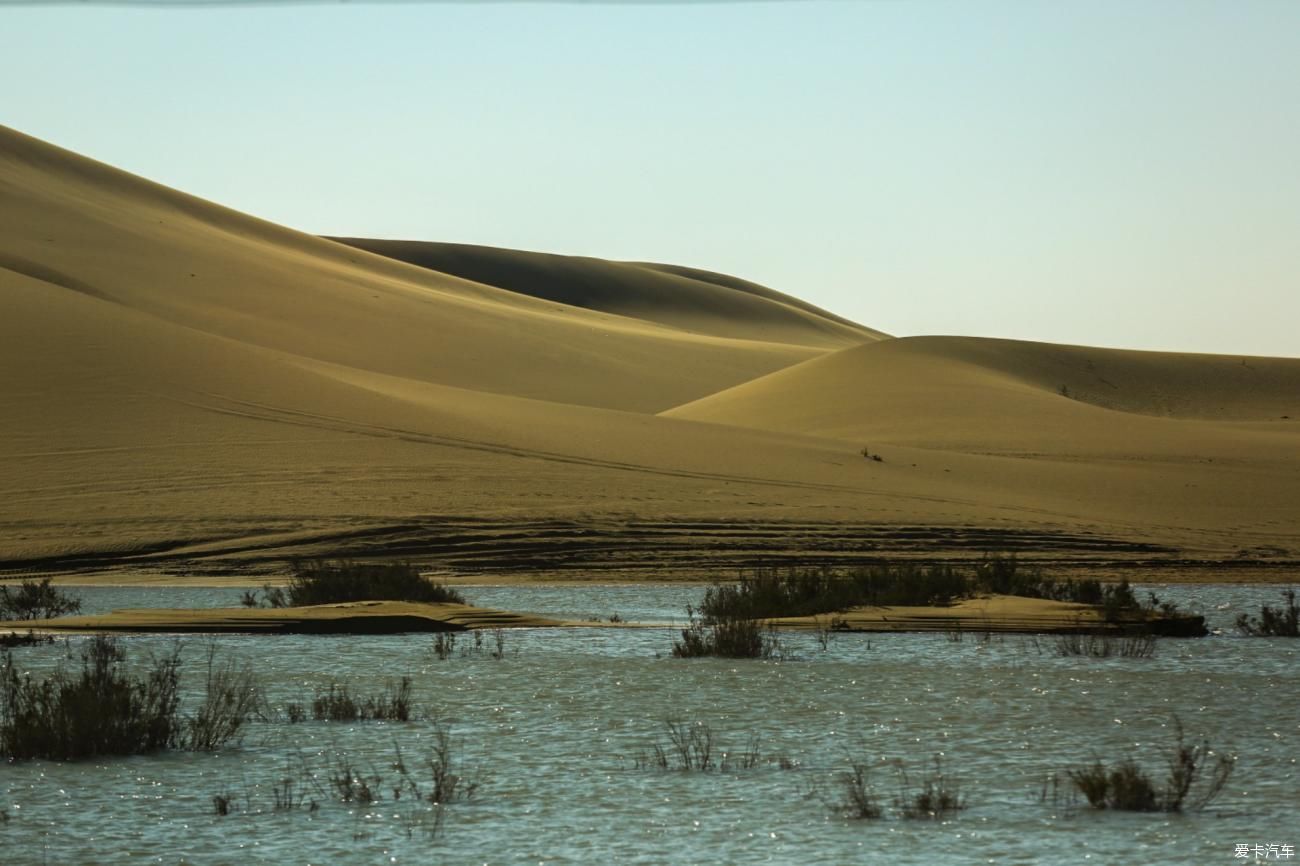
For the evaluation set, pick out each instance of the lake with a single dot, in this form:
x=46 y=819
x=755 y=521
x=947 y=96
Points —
x=553 y=730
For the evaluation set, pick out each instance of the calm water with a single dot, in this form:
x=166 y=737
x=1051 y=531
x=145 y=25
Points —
x=552 y=731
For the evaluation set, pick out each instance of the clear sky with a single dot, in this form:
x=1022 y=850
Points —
x=1109 y=172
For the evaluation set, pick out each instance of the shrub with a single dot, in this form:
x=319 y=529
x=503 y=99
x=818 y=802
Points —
x=333 y=582
x=447 y=783
x=771 y=592
x=1137 y=646
x=338 y=705
x=726 y=636
x=1128 y=787
x=858 y=800
x=1274 y=622
x=103 y=711
x=106 y=711
x=232 y=696
x=34 y=599
x=936 y=797
x=444 y=645
x=691 y=746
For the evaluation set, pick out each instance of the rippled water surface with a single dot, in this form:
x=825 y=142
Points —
x=552 y=732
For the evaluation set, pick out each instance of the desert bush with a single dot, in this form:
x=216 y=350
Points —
x=726 y=636
x=765 y=593
x=858 y=799
x=101 y=711
x=1135 y=646
x=36 y=599
x=1196 y=777
x=444 y=645
x=232 y=696
x=337 y=704
x=353 y=787
x=772 y=592
x=1273 y=622
x=936 y=796
x=333 y=582
x=104 y=710
x=692 y=746
x=448 y=783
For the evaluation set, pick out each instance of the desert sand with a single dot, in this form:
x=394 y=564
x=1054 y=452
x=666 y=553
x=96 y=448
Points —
x=989 y=613
x=355 y=617
x=191 y=390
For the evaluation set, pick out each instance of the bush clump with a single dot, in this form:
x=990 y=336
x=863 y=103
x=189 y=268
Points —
x=337 y=704
x=104 y=710
x=333 y=582
x=1197 y=775
x=772 y=592
x=935 y=797
x=1273 y=622
x=36 y=599
x=726 y=636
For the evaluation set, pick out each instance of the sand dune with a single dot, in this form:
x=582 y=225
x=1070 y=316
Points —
x=186 y=387
x=82 y=226
x=681 y=298
x=1006 y=395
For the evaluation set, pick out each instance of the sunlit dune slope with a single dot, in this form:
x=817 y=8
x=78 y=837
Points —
x=176 y=376
x=81 y=226
x=1002 y=396
x=682 y=298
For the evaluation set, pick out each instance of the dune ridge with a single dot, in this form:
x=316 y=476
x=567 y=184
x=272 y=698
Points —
x=188 y=387
x=682 y=298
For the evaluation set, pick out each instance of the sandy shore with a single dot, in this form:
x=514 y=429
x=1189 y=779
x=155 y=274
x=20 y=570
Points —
x=994 y=613
x=360 y=617
x=997 y=613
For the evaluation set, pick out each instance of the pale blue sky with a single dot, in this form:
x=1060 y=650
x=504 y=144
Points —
x=1113 y=173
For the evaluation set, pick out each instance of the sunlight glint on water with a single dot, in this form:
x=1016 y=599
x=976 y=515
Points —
x=553 y=731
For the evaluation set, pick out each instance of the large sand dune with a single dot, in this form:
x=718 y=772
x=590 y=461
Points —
x=181 y=381
x=681 y=298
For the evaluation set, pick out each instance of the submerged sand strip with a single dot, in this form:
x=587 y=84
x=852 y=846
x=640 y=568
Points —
x=360 y=617
x=996 y=613
x=993 y=613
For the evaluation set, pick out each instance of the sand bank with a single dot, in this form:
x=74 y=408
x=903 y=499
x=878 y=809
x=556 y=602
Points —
x=359 y=617
x=994 y=613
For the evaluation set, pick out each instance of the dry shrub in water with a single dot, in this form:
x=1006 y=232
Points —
x=726 y=636
x=935 y=797
x=105 y=710
x=858 y=800
x=1197 y=776
x=1100 y=646
x=1273 y=622
x=338 y=705
x=692 y=746
x=233 y=695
